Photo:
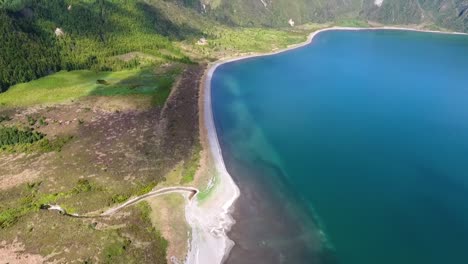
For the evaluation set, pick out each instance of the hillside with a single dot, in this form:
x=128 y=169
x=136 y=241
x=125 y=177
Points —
x=45 y=36
x=444 y=13
x=41 y=37
x=99 y=104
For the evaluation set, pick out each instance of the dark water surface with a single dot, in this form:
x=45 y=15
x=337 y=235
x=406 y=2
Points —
x=353 y=150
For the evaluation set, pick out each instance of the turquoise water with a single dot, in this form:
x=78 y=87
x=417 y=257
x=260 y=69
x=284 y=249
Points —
x=353 y=149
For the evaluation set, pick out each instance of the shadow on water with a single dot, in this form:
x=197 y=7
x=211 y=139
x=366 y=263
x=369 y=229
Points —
x=272 y=226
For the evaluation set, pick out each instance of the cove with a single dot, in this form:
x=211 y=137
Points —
x=352 y=149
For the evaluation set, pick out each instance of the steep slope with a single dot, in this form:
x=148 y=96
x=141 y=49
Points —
x=44 y=36
x=277 y=13
x=451 y=14
x=393 y=11
x=41 y=37
x=448 y=13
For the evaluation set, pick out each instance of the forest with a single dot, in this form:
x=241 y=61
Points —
x=46 y=36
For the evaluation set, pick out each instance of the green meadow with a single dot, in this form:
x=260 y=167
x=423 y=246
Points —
x=65 y=86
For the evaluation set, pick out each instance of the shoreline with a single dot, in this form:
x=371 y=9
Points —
x=211 y=221
x=311 y=36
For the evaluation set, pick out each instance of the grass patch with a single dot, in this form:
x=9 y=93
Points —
x=114 y=250
x=121 y=247
x=165 y=86
x=190 y=169
x=352 y=23
x=141 y=189
x=145 y=214
x=146 y=81
x=145 y=210
x=55 y=144
x=32 y=200
x=204 y=194
x=224 y=39
x=83 y=186
x=65 y=86
x=119 y=198
x=56 y=88
x=145 y=188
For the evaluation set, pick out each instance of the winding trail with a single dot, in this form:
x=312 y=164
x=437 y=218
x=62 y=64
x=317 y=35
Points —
x=183 y=190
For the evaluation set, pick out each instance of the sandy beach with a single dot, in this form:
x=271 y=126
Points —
x=211 y=219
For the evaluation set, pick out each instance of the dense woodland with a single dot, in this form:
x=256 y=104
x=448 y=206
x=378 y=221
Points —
x=45 y=36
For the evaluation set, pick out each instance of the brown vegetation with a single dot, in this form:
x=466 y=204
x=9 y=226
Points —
x=121 y=146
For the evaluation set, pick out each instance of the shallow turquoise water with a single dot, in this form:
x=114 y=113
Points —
x=360 y=135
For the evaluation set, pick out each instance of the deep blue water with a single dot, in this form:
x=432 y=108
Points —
x=353 y=149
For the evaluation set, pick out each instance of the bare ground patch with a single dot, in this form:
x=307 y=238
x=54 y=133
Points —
x=13 y=253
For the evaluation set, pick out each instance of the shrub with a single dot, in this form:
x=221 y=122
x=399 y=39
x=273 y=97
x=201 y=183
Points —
x=83 y=185
x=31 y=120
x=4 y=118
x=119 y=198
x=13 y=136
x=42 y=121
x=103 y=82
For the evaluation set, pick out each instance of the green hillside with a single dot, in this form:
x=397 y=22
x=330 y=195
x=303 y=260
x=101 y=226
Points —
x=45 y=36
x=444 y=13
x=277 y=13
x=451 y=14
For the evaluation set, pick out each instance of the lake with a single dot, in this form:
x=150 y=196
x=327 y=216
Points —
x=352 y=149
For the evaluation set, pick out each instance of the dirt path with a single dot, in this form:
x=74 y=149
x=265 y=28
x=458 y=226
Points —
x=190 y=190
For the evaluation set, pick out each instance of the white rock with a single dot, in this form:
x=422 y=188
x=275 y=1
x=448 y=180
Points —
x=202 y=42
x=59 y=32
